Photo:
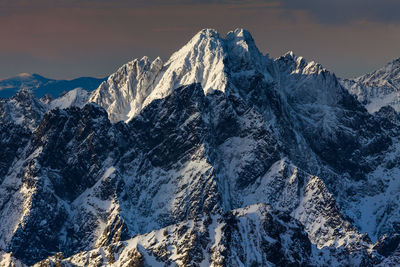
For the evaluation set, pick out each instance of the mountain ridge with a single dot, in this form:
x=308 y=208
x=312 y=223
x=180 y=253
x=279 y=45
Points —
x=219 y=131
x=42 y=86
x=378 y=88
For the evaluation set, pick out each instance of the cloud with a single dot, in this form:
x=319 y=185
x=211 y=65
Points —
x=325 y=11
x=322 y=11
x=345 y=11
x=68 y=38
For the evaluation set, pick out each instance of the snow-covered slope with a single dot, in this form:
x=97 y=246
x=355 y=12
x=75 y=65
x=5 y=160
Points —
x=255 y=235
x=221 y=156
x=7 y=260
x=77 y=97
x=202 y=60
x=125 y=91
x=379 y=88
x=24 y=108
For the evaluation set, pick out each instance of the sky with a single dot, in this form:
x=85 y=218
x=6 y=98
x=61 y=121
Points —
x=65 y=39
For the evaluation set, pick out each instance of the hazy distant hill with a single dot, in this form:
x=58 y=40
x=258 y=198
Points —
x=41 y=85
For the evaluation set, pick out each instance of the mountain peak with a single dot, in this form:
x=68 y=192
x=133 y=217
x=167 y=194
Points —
x=379 y=88
x=241 y=34
x=30 y=76
x=24 y=74
x=207 y=59
x=206 y=38
x=298 y=64
x=241 y=45
x=207 y=33
x=190 y=174
x=289 y=54
x=396 y=62
x=24 y=109
x=24 y=93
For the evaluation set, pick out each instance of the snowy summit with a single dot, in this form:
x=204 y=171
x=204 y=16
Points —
x=220 y=156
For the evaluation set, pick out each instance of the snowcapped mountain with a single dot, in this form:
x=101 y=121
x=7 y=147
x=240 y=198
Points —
x=221 y=156
x=42 y=86
x=77 y=97
x=379 y=88
x=26 y=110
x=270 y=238
x=202 y=60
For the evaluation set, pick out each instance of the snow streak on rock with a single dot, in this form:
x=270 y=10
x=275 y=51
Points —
x=379 y=88
x=220 y=156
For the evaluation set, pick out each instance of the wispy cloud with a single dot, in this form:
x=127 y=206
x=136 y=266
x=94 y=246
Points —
x=322 y=11
x=89 y=37
x=345 y=11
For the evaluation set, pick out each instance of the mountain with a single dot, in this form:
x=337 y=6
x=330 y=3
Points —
x=41 y=85
x=6 y=259
x=23 y=109
x=140 y=82
x=221 y=156
x=379 y=88
x=26 y=110
x=270 y=238
x=77 y=97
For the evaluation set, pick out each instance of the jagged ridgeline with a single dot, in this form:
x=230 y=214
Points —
x=220 y=156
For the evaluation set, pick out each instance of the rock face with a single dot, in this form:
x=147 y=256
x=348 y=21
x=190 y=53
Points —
x=219 y=157
x=208 y=59
x=22 y=109
x=379 y=88
x=7 y=260
x=270 y=237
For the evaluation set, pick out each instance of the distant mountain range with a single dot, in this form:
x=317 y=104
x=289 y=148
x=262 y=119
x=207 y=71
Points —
x=220 y=156
x=41 y=85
